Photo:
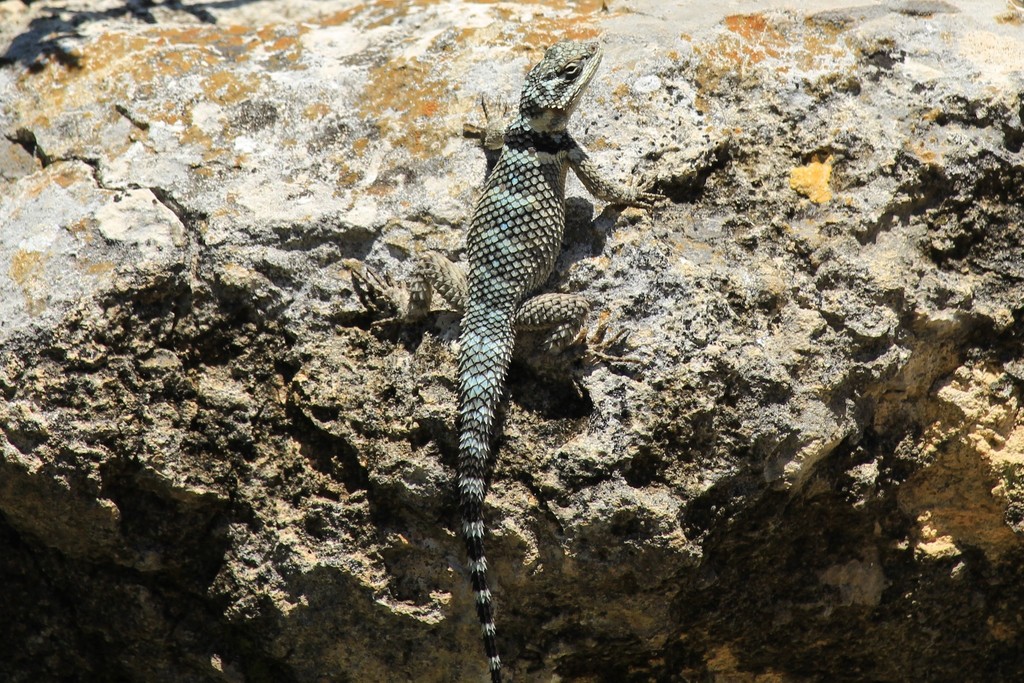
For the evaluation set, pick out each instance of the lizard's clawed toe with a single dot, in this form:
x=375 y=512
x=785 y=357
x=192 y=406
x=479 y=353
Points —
x=603 y=346
x=377 y=293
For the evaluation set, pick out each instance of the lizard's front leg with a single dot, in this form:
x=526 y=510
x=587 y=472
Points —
x=492 y=134
x=607 y=190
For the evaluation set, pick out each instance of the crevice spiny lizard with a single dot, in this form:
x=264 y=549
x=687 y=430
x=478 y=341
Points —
x=514 y=238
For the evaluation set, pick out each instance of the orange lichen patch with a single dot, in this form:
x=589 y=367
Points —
x=274 y=39
x=346 y=177
x=67 y=176
x=748 y=41
x=120 y=67
x=400 y=95
x=580 y=6
x=26 y=265
x=812 y=180
x=62 y=174
x=28 y=270
x=759 y=39
x=316 y=111
x=283 y=44
x=751 y=39
x=923 y=154
x=386 y=12
x=546 y=31
x=233 y=40
x=430 y=108
x=96 y=268
x=150 y=56
x=754 y=28
x=81 y=229
x=229 y=87
x=820 y=46
x=194 y=135
x=339 y=18
x=404 y=97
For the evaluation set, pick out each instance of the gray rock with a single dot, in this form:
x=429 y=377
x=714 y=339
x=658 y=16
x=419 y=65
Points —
x=215 y=466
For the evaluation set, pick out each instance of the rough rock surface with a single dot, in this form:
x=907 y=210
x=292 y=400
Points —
x=215 y=467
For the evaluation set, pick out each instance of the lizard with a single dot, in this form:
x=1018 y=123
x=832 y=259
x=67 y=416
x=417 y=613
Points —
x=514 y=238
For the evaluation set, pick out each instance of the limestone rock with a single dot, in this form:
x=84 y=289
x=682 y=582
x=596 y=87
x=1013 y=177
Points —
x=214 y=466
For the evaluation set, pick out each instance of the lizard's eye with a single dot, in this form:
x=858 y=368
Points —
x=572 y=70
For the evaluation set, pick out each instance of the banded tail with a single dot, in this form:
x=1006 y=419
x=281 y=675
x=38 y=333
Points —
x=486 y=349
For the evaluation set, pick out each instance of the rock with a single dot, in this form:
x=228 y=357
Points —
x=215 y=466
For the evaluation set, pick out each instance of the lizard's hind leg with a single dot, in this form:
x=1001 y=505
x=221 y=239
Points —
x=435 y=273
x=411 y=299
x=562 y=314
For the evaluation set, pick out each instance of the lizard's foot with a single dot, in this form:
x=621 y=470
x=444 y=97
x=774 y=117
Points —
x=503 y=108
x=492 y=133
x=602 y=347
x=639 y=194
x=379 y=295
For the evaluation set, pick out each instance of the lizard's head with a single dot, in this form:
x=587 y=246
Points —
x=555 y=85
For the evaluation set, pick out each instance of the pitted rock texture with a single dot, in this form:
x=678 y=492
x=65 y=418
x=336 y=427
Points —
x=215 y=466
